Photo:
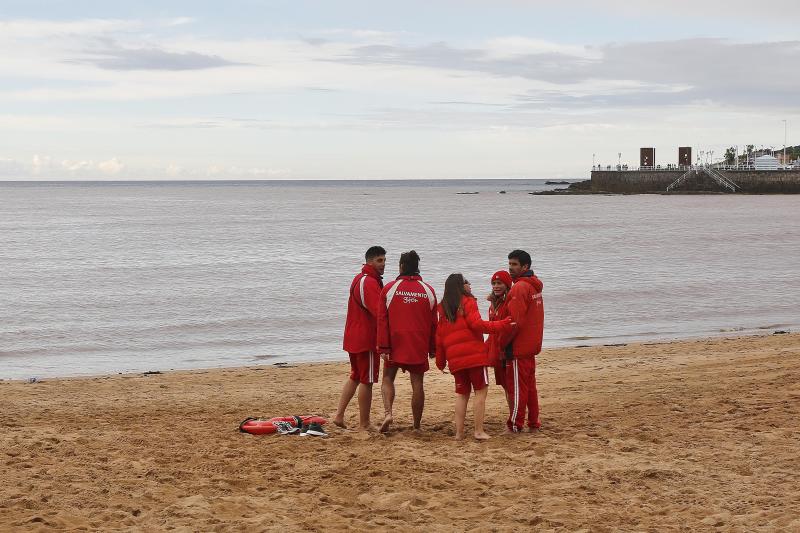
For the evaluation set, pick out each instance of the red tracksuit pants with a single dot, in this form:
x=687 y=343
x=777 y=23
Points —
x=521 y=389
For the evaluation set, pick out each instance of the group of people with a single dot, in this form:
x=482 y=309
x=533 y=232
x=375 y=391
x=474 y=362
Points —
x=402 y=323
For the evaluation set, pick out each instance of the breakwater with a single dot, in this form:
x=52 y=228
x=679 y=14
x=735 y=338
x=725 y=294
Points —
x=657 y=181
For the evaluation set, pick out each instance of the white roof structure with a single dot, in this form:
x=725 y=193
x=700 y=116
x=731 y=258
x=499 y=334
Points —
x=766 y=162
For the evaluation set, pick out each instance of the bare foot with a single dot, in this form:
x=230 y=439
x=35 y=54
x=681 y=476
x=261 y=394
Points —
x=459 y=436
x=368 y=428
x=339 y=422
x=482 y=436
x=387 y=421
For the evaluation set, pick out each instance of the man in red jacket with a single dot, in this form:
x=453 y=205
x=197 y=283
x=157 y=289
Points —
x=360 y=336
x=406 y=334
x=526 y=308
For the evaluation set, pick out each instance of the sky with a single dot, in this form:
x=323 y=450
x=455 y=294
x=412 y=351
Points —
x=258 y=89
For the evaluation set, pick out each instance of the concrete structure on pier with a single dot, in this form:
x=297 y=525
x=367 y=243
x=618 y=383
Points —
x=657 y=181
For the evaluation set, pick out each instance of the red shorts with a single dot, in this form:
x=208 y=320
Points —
x=364 y=367
x=420 y=368
x=471 y=378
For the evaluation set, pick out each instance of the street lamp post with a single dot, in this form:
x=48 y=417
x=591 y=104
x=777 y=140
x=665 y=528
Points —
x=593 y=161
x=784 y=142
x=619 y=160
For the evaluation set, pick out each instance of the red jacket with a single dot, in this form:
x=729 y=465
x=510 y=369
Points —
x=496 y=343
x=526 y=308
x=407 y=320
x=460 y=343
x=361 y=326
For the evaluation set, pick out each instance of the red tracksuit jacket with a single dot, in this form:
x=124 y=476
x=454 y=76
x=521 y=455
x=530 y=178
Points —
x=361 y=326
x=460 y=343
x=526 y=307
x=407 y=320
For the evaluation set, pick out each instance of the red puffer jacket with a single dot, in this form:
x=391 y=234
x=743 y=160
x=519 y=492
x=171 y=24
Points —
x=496 y=343
x=527 y=309
x=460 y=343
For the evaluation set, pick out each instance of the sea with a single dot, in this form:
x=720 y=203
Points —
x=102 y=278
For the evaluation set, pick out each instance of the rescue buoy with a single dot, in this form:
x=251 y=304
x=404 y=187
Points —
x=260 y=426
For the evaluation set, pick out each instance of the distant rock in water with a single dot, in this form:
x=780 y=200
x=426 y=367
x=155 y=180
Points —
x=556 y=183
x=501 y=192
x=476 y=192
x=577 y=187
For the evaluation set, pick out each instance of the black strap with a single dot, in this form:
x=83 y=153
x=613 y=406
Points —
x=245 y=421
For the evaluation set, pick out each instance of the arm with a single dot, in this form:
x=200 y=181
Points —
x=372 y=296
x=434 y=322
x=517 y=308
x=384 y=337
x=478 y=325
x=441 y=360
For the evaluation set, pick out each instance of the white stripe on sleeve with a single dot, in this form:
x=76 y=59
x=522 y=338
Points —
x=361 y=290
x=429 y=292
x=390 y=293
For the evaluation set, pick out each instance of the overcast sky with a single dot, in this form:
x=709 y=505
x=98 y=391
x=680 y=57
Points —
x=326 y=89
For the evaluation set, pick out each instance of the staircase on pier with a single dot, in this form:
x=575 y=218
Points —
x=712 y=173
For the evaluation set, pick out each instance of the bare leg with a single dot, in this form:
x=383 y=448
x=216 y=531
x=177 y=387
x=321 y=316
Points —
x=364 y=404
x=348 y=391
x=479 y=409
x=417 y=398
x=461 y=413
x=387 y=391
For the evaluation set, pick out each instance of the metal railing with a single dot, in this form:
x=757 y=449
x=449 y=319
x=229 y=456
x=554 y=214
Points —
x=718 y=166
x=718 y=178
x=680 y=180
x=721 y=179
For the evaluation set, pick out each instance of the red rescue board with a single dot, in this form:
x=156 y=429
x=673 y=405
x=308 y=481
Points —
x=260 y=426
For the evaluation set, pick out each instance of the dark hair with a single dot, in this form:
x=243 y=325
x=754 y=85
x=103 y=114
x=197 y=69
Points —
x=409 y=263
x=522 y=256
x=453 y=292
x=373 y=252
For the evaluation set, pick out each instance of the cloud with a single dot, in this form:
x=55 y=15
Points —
x=643 y=73
x=45 y=167
x=714 y=11
x=111 y=167
x=38 y=29
x=112 y=56
x=11 y=168
x=178 y=21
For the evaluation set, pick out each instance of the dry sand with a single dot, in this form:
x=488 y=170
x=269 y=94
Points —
x=691 y=436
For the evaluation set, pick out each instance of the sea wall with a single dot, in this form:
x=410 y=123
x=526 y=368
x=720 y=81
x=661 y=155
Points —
x=656 y=181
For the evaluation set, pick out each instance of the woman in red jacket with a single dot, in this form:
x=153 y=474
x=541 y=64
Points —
x=498 y=310
x=459 y=344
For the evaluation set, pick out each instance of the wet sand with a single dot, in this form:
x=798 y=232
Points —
x=683 y=436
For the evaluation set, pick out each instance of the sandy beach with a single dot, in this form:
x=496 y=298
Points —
x=682 y=436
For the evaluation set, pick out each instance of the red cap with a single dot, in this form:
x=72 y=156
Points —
x=503 y=276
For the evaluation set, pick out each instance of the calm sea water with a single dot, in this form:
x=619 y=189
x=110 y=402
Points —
x=121 y=277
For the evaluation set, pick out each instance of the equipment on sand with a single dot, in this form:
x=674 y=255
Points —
x=286 y=425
